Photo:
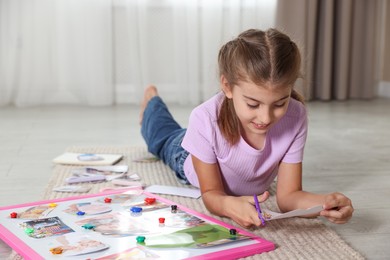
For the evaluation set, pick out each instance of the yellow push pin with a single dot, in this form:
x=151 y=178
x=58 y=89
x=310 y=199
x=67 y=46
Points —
x=52 y=205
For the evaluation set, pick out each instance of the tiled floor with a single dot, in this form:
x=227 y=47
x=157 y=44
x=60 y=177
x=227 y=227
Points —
x=348 y=150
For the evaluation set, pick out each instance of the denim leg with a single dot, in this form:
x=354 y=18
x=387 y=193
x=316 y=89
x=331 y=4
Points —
x=163 y=136
x=175 y=155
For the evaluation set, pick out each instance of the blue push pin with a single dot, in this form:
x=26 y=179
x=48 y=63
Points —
x=80 y=213
x=136 y=211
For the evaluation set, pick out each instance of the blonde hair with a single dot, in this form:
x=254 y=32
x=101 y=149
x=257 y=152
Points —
x=261 y=57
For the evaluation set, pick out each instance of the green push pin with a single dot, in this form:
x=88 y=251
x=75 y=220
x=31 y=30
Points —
x=29 y=231
x=140 y=239
x=88 y=226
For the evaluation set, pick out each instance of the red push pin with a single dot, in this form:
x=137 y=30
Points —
x=107 y=200
x=149 y=201
x=161 y=221
x=13 y=215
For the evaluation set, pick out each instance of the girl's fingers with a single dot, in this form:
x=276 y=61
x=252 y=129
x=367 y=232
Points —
x=263 y=197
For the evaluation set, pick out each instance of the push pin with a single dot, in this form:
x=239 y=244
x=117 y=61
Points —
x=107 y=200
x=13 y=215
x=161 y=222
x=88 y=226
x=29 y=231
x=56 y=250
x=52 y=205
x=80 y=213
x=173 y=208
x=233 y=232
x=140 y=239
x=149 y=201
x=136 y=211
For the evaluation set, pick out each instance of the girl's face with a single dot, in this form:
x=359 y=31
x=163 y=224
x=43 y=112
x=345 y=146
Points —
x=257 y=107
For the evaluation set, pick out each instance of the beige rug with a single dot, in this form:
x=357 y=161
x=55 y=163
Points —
x=295 y=238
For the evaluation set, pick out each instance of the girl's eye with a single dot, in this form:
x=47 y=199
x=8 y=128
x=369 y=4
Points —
x=252 y=106
x=280 y=105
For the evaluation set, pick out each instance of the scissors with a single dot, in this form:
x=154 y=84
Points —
x=259 y=213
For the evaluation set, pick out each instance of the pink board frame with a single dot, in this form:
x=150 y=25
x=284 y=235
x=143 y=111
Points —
x=259 y=246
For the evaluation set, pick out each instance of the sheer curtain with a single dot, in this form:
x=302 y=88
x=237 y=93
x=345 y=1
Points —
x=55 y=52
x=99 y=52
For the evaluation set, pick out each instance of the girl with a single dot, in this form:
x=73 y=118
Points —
x=238 y=141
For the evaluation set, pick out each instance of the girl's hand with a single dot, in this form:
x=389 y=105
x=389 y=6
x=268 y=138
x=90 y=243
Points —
x=337 y=208
x=242 y=209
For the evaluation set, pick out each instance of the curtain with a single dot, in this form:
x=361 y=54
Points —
x=99 y=52
x=340 y=43
x=55 y=52
x=174 y=44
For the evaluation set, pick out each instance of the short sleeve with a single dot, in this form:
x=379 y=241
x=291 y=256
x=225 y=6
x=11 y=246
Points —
x=295 y=152
x=198 y=139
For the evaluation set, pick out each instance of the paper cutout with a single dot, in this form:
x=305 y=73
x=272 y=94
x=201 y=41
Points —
x=35 y=212
x=114 y=224
x=73 y=158
x=88 y=208
x=171 y=190
x=72 y=188
x=46 y=227
x=74 y=244
x=271 y=215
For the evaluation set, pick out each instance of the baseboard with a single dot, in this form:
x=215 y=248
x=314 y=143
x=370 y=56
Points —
x=384 y=89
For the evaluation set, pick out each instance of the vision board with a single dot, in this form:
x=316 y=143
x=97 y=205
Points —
x=117 y=225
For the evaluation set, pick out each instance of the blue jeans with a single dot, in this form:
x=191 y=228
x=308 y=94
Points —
x=163 y=136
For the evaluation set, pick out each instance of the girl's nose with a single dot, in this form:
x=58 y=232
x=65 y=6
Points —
x=264 y=115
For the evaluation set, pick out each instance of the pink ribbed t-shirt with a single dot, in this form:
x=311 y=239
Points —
x=245 y=170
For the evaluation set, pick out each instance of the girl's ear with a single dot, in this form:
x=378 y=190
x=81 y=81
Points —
x=225 y=86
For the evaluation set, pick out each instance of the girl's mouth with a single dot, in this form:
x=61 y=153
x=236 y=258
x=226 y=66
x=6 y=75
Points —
x=260 y=126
